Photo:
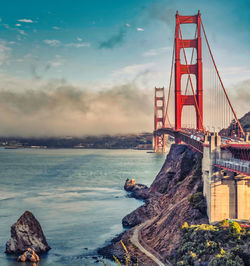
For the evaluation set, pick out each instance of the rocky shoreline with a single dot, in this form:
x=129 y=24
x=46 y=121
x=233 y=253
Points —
x=166 y=208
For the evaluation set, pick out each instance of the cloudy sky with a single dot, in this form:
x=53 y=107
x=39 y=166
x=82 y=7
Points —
x=61 y=62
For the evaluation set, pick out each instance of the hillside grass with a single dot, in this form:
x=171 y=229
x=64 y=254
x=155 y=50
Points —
x=221 y=244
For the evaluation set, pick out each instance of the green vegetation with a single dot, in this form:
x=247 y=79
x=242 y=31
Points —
x=221 y=244
x=235 y=228
x=128 y=261
x=196 y=175
x=123 y=262
x=197 y=201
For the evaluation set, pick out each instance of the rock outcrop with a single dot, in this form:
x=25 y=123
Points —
x=145 y=212
x=138 y=191
x=167 y=206
x=29 y=255
x=27 y=233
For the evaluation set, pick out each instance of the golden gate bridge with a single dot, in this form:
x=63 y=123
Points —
x=198 y=112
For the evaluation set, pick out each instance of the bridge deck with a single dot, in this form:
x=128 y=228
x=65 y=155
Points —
x=195 y=139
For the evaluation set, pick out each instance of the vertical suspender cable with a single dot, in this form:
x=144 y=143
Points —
x=170 y=83
x=242 y=131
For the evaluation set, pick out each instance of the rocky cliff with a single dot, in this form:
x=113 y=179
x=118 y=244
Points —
x=173 y=198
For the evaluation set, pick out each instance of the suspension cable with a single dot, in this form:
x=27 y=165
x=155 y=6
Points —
x=170 y=83
x=232 y=109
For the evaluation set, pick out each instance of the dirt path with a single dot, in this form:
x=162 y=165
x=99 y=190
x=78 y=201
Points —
x=135 y=239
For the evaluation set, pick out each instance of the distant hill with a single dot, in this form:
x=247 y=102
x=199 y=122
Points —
x=245 y=122
x=141 y=141
x=233 y=128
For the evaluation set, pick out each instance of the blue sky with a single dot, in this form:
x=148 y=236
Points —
x=103 y=44
x=64 y=38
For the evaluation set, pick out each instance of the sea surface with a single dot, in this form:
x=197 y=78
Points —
x=76 y=195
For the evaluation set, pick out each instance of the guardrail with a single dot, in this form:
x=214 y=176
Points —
x=235 y=164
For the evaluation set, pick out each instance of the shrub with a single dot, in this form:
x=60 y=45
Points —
x=193 y=254
x=197 y=174
x=185 y=225
x=234 y=228
x=224 y=223
x=197 y=201
x=227 y=261
x=238 y=251
x=212 y=247
x=205 y=227
x=222 y=252
x=216 y=245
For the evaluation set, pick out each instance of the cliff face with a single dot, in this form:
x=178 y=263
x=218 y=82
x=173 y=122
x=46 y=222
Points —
x=167 y=207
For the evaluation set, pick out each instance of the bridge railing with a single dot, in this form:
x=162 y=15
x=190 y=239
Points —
x=235 y=164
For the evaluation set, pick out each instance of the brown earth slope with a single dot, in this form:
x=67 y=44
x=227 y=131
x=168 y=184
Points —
x=167 y=207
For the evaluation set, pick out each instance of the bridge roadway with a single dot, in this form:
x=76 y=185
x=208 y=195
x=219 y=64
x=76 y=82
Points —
x=195 y=141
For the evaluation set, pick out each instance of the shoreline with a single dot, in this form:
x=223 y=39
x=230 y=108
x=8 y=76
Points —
x=72 y=148
x=161 y=216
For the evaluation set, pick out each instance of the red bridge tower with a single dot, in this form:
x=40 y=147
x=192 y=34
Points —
x=196 y=99
x=159 y=140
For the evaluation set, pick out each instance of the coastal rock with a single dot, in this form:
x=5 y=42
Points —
x=138 y=191
x=141 y=214
x=27 y=233
x=29 y=255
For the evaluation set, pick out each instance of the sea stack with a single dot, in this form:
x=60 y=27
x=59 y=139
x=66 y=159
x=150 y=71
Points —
x=27 y=233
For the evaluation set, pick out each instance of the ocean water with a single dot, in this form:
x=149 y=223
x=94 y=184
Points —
x=76 y=195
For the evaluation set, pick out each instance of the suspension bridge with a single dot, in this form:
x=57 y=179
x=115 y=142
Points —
x=197 y=111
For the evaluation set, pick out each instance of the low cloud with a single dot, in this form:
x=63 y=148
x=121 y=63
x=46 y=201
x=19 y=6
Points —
x=4 y=52
x=61 y=109
x=133 y=70
x=157 y=51
x=240 y=96
x=163 y=11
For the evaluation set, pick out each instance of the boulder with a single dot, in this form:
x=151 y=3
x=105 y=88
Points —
x=129 y=184
x=138 y=191
x=29 y=255
x=27 y=233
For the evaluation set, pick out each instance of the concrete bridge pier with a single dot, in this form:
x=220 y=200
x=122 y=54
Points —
x=226 y=193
